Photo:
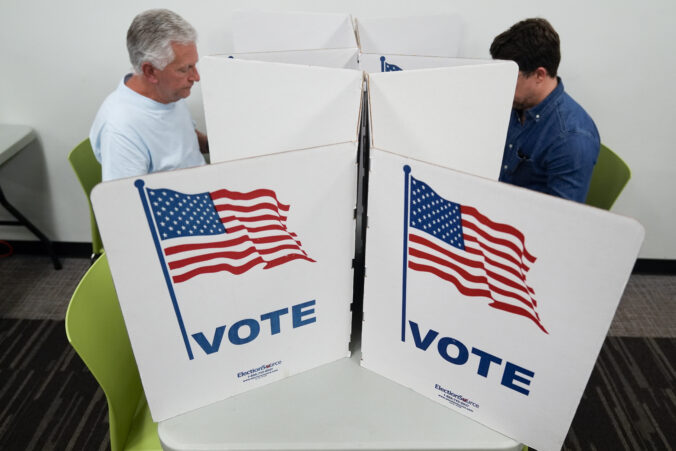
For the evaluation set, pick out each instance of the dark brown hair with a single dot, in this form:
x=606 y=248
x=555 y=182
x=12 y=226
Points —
x=531 y=43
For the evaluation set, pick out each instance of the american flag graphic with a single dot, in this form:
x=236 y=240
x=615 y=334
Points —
x=387 y=67
x=482 y=258
x=222 y=231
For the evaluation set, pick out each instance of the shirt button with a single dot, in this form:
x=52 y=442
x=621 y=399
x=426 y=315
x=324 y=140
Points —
x=510 y=146
x=537 y=116
x=505 y=166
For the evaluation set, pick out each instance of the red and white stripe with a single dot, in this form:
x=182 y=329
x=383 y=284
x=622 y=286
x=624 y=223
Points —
x=493 y=265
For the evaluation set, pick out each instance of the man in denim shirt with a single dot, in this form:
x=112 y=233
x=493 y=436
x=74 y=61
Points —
x=552 y=143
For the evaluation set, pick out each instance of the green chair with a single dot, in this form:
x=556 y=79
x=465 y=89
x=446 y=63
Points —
x=88 y=172
x=96 y=330
x=609 y=178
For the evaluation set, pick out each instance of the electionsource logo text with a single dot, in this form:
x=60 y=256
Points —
x=456 y=399
x=261 y=371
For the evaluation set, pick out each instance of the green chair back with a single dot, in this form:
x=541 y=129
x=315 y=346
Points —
x=609 y=178
x=96 y=330
x=88 y=172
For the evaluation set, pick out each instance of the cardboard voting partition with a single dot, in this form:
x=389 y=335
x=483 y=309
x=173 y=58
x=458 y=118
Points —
x=449 y=111
x=490 y=299
x=233 y=275
x=438 y=35
x=388 y=62
x=336 y=58
x=266 y=31
x=255 y=107
x=454 y=115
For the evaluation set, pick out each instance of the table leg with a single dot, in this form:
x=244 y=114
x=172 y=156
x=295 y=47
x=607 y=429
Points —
x=21 y=220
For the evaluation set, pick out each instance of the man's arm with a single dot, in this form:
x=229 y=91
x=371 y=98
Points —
x=570 y=164
x=203 y=141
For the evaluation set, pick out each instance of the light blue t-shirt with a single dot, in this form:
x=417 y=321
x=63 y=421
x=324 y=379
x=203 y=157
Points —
x=133 y=135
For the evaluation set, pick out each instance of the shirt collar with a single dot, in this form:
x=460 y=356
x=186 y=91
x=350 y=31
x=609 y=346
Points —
x=143 y=99
x=547 y=105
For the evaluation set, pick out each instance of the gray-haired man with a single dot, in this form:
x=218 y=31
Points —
x=144 y=125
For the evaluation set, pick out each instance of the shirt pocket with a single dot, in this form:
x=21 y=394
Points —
x=517 y=162
x=523 y=170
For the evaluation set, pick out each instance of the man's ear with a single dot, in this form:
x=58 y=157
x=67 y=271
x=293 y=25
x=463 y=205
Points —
x=541 y=73
x=149 y=72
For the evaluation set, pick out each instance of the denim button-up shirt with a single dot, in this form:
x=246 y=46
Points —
x=554 y=150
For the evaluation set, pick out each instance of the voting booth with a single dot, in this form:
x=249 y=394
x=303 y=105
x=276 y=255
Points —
x=234 y=275
x=489 y=298
x=326 y=131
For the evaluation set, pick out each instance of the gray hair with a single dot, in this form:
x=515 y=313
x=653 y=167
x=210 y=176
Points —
x=151 y=34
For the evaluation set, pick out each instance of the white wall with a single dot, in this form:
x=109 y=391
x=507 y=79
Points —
x=58 y=61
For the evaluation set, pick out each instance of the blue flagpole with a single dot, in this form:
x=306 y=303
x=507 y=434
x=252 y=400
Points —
x=382 y=64
x=153 y=231
x=407 y=172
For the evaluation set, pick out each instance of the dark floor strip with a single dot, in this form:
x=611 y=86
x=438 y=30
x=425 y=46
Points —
x=48 y=400
x=629 y=402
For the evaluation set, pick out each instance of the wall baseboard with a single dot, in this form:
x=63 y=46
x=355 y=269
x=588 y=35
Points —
x=654 y=266
x=61 y=248
x=84 y=250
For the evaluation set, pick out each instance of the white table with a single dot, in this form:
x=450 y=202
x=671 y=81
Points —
x=338 y=406
x=13 y=139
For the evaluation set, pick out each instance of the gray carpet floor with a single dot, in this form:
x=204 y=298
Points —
x=49 y=400
x=30 y=288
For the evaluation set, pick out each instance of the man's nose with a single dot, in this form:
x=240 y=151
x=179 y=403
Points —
x=195 y=75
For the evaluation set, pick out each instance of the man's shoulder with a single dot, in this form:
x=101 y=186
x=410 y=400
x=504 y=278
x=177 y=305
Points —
x=573 y=117
x=121 y=110
x=578 y=137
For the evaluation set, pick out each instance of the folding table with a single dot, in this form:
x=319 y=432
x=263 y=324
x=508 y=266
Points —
x=13 y=139
x=336 y=406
